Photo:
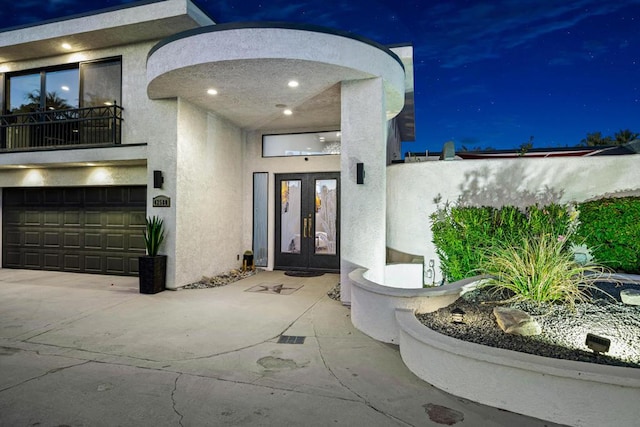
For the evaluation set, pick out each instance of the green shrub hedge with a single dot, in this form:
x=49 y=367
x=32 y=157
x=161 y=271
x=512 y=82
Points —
x=611 y=229
x=461 y=234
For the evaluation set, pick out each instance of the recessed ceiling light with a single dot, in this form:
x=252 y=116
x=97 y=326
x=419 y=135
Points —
x=108 y=103
x=293 y=83
x=212 y=91
x=66 y=46
x=287 y=112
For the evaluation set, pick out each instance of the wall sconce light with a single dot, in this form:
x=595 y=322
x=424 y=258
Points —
x=598 y=344
x=158 y=179
x=360 y=173
x=457 y=315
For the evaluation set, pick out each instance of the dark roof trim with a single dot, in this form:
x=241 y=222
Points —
x=408 y=44
x=273 y=25
x=91 y=13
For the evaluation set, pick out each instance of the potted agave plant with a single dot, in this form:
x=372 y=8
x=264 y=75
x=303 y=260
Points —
x=152 y=268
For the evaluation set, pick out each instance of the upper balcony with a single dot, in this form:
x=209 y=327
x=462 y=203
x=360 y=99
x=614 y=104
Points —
x=76 y=127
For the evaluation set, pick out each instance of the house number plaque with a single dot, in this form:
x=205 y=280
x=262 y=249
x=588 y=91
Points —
x=161 y=202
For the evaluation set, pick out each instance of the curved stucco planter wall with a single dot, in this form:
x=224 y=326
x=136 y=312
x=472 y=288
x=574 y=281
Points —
x=567 y=392
x=373 y=305
x=406 y=276
x=562 y=391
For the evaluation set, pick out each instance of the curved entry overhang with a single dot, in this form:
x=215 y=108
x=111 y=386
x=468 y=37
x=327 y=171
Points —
x=250 y=66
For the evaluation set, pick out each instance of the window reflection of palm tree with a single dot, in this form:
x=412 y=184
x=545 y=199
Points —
x=52 y=102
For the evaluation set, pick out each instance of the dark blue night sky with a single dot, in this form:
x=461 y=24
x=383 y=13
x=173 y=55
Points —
x=487 y=74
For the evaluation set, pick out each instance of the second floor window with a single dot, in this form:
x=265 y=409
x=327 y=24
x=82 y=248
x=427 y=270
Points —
x=101 y=83
x=88 y=84
x=71 y=104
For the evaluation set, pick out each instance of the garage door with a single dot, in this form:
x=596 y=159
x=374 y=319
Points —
x=77 y=229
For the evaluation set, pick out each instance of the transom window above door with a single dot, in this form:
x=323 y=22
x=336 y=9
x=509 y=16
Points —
x=301 y=144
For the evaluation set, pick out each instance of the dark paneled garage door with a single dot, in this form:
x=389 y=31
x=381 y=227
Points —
x=78 y=229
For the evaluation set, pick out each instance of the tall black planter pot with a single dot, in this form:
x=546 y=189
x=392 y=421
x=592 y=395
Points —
x=152 y=272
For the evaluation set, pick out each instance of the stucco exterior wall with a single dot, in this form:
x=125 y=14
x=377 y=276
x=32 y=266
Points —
x=208 y=201
x=254 y=162
x=363 y=216
x=412 y=188
x=74 y=177
x=141 y=115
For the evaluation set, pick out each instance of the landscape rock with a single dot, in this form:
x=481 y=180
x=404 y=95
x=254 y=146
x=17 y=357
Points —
x=220 y=280
x=517 y=322
x=630 y=296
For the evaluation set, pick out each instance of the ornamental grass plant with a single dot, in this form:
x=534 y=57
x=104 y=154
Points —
x=539 y=269
x=462 y=234
x=153 y=234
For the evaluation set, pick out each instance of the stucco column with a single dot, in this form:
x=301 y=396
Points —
x=363 y=206
x=162 y=156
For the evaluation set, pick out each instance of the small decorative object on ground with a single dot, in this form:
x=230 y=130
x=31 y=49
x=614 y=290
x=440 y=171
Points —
x=334 y=293
x=457 y=315
x=220 y=280
x=247 y=261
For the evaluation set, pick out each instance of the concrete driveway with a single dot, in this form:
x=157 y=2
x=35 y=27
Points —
x=87 y=350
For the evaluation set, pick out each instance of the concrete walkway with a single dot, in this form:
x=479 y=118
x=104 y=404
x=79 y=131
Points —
x=89 y=350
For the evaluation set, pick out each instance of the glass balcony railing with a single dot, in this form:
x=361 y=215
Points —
x=61 y=128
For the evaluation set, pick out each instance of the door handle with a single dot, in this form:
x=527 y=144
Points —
x=304 y=228
x=310 y=222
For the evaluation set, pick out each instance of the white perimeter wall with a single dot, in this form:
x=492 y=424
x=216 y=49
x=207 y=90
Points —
x=412 y=188
x=254 y=162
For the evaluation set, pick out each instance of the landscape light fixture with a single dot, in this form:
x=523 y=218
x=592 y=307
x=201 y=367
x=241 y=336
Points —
x=597 y=343
x=457 y=315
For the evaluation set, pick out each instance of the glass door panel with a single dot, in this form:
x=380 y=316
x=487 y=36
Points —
x=326 y=207
x=290 y=213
